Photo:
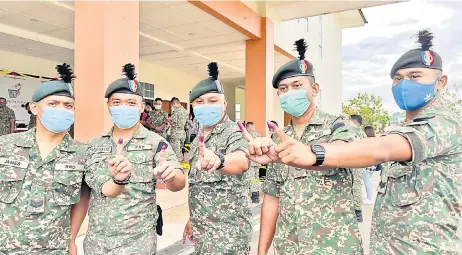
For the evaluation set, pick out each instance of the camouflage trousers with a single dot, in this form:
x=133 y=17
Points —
x=358 y=188
x=142 y=244
x=254 y=178
x=177 y=140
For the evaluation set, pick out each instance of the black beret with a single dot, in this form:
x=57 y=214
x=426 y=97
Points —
x=208 y=85
x=60 y=87
x=422 y=57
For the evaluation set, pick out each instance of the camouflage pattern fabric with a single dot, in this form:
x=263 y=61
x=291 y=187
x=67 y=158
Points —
x=178 y=134
x=157 y=118
x=316 y=214
x=32 y=122
x=219 y=204
x=419 y=203
x=125 y=224
x=358 y=183
x=6 y=115
x=36 y=194
x=254 y=170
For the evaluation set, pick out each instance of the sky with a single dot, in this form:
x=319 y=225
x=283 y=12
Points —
x=370 y=51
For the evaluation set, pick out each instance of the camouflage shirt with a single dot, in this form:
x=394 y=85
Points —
x=36 y=194
x=179 y=120
x=219 y=204
x=157 y=118
x=125 y=224
x=32 y=122
x=316 y=214
x=6 y=116
x=419 y=203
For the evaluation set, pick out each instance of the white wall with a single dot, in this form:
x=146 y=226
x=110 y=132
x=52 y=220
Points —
x=328 y=67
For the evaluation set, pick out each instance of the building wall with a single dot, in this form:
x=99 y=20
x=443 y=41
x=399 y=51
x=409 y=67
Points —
x=240 y=99
x=26 y=64
x=323 y=35
x=230 y=95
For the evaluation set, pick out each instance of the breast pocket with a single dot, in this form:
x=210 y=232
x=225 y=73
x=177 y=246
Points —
x=142 y=177
x=404 y=185
x=67 y=181
x=11 y=181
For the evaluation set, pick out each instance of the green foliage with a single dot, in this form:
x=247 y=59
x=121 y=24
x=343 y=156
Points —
x=451 y=97
x=370 y=108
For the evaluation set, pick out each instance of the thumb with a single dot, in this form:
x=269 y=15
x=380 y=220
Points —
x=120 y=146
x=244 y=132
x=280 y=133
x=201 y=145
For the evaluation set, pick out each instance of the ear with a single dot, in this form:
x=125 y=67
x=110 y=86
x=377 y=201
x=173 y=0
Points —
x=34 y=108
x=315 y=89
x=443 y=81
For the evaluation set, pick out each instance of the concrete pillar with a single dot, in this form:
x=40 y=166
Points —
x=230 y=94
x=106 y=38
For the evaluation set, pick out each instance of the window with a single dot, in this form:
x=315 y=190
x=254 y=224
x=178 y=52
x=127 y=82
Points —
x=148 y=90
x=320 y=36
x=238 y=112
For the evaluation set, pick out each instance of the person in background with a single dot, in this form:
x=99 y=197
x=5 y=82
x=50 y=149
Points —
x=367 y=175
x=43 y=199
x=157 y=120
x=178 y=124
x=32 y=117
x=7 y=118
x=358 y=174
x=193 y=127
x=123 y=210
x=145 y=114
x=253 y=171
x=219 y=204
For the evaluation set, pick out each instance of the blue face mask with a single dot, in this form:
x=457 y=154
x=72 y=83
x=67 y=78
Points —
x=124 y=117
x=56 y=119
x=208 y=114
x=295 y=102
x=411 y=95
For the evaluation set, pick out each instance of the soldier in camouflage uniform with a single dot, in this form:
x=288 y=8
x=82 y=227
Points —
x=32 y=118
x=178 y=127
x=123 y=214
x=312 y=211
x=7 y=118
x=158 y=119
x=418 y=207
x=41 y=173
x=358 y=183
x=254 y=169
x=219 y=201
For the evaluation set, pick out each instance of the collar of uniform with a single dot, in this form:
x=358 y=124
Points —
x=429 y=111
x=140 y=133
x=220 y=126
x=316 y=119
x=28 y=140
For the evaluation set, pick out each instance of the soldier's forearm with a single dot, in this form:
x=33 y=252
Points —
x=79 y=211
x=13 y=126
x=177 y=183
x=110 y=189
x=235 y=163
x=269 y=216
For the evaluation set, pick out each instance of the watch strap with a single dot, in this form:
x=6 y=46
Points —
x=122 y=182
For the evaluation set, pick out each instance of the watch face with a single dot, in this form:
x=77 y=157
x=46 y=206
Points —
x=317 y=148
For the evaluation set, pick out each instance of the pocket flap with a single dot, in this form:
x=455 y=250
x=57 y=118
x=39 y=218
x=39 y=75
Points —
x=11 y=173
x=397 y=170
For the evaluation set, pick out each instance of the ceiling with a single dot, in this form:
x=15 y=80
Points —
x=189 y=41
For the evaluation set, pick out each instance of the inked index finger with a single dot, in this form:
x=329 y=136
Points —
x=163 y=153
x=120 y=146
x=279 y=132
x=244 y=132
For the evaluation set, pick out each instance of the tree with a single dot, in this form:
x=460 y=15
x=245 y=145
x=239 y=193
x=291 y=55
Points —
x=370 y=108
x=451 y=97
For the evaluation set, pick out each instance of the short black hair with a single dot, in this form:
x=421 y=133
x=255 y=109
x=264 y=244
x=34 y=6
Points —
x=368 y=127
x=174 y=99
x=3 y=98
x=357 y=117
x=275 y=123
x=149 y=104
x=249 y=123
x=158 y=99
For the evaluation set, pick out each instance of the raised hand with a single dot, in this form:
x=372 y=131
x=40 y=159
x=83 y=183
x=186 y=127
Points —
x=292 y=152
x=261 y=149
x=208 y=160
x=119 y=167
x=164 y=170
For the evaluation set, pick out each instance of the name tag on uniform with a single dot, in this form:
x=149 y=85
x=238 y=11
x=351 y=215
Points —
x=139 y=147
x=69 y=167
x=319 y=134
x=15 y=163
x=106 y=149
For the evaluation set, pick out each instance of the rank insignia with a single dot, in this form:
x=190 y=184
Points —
x=217 y=82
x=427 y=57
x=71 y=90
x=303 y=66
x=133 y=85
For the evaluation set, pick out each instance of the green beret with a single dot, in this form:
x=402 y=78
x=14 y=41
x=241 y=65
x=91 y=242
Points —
x=60 y=87
x=208 y=85
x=126 y=85
x=296 y=67
x=422 y=57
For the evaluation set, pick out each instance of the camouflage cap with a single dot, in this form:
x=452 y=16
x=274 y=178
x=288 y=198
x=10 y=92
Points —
x=422 y=57
x=60 y=87
x=126 y=85
x=296 y=67
x=208 y=85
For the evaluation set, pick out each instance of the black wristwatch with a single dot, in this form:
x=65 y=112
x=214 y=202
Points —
x=320 y=153
x=222 y=159
x=123 y=182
